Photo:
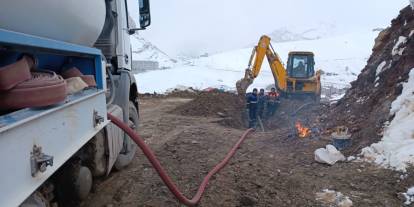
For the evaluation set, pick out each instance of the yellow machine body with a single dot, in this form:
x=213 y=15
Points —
x=299 y=77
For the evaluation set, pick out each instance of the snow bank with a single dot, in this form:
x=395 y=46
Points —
x=395 y=150
x=409 y=196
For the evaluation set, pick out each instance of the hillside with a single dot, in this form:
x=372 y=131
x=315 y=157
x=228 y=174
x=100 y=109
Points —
x=145 y=50
x=340 y=67
x=380 y=104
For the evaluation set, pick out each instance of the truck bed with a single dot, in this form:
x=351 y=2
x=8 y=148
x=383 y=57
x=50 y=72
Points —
x=49 y=135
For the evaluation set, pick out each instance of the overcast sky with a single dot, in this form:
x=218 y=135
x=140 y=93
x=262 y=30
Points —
x=191 y=27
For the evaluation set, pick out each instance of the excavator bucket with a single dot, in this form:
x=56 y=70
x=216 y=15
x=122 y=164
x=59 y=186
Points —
x=244 y=83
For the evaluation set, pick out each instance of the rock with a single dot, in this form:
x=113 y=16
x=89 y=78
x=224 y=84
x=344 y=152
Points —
x=346 y=202
x=329 y=155
x=326 y=197
x=248 y=201
x=333 y=198
x=401 y=197
x=350 y=158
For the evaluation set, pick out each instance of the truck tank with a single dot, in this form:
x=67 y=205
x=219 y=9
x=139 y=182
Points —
x=74 y=21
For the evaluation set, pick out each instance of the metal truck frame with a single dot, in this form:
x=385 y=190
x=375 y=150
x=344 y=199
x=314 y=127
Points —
x=50 y=155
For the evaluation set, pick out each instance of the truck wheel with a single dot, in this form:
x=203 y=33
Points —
x=83 y=182
x=129 y=149
x=73 y=183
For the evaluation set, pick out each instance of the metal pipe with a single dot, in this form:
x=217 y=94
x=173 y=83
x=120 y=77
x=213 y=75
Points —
x=111 y=98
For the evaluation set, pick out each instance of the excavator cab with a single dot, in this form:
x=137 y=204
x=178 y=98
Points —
x=301 y=78
x=300 y=65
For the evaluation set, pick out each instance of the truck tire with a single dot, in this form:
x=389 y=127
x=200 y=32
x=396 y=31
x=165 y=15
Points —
x=73 y=183
x=126 y=156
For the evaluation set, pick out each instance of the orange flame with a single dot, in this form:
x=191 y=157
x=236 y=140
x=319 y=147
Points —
x=302 y=131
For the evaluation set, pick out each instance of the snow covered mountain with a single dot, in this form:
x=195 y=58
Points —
x=145 y=50
x=291 y=33
x=340 y=57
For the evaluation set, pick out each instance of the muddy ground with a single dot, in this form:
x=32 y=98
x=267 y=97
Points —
x=272 y=168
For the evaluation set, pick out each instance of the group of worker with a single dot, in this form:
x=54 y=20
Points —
x=258 y=103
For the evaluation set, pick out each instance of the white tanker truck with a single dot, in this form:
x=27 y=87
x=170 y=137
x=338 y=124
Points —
x=63 y=66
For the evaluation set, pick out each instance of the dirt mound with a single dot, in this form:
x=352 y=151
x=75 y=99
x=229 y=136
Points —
x=191 y=93
x=215 y=104
x=365 y=107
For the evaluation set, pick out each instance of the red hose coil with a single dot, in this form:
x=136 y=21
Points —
x=162 y=173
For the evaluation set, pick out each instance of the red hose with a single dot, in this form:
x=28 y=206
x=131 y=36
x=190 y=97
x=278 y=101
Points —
x=161 y=172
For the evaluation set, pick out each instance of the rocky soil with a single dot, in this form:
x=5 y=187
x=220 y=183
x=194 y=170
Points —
x=191 y=132
x=365 y=107
x=274 y=168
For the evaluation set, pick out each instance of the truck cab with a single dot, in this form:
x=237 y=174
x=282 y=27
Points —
x=63 y=66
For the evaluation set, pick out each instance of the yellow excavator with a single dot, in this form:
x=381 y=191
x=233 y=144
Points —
x=298 y=78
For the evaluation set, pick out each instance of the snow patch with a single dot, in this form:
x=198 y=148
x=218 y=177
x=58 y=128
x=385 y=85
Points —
x=351 y=158
x=336 y=97
x=409 y=196
x=381 y=67
x=397 y=49
x=180 y=88
x=395 y=150
x=411 y=33
x=412 y=4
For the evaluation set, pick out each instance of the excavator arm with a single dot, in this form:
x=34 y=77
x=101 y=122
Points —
x=263 y=48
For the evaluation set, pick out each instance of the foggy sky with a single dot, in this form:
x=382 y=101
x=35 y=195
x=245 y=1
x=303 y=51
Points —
x=191 y=27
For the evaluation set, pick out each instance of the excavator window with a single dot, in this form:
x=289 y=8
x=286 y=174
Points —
x=300 y=66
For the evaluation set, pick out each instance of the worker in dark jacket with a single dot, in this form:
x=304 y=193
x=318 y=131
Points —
x=252 y=100
x=261 y=101
x=273 y=101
